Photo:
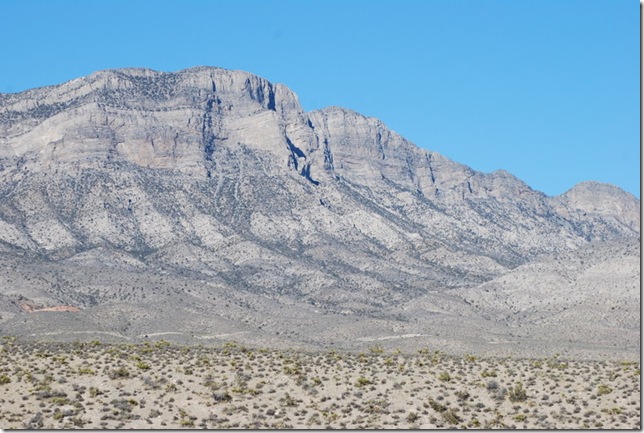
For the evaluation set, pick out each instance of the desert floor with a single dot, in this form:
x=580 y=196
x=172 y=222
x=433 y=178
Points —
x=159 y=385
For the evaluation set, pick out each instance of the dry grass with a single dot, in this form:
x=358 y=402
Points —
x=157 y=385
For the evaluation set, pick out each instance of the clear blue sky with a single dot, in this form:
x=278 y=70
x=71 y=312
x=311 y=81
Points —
x=546 y=89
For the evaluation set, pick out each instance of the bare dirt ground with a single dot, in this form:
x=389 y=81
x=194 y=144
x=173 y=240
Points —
x=157 y=385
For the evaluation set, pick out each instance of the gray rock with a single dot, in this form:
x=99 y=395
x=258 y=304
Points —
x=206 y=203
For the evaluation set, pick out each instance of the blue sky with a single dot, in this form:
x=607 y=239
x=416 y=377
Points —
x=548 y=90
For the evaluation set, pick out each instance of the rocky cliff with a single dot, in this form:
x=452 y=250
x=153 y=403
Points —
x=218 y=179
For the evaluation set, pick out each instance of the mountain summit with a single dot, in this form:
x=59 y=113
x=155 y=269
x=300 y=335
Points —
x=206 y=202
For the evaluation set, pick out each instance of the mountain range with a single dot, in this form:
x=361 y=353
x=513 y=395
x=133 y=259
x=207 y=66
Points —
x=206 y=205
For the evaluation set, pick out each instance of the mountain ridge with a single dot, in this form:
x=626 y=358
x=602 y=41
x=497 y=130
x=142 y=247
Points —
x=219 y=178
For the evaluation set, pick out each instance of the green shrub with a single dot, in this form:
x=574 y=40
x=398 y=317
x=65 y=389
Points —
x=517 y=393
x=450 y=416
x=376 y=349
x=362 y=381
x=93 y=392
x=437 y=406
x=59 y=401
x=412 y=417
x=187 y=423
x=604 y=389
x=119 y=373
x=143 y=365
x=445 y=377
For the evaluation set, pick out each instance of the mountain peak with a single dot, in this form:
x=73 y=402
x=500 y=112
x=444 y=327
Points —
x=602 y=200
x=209 y=185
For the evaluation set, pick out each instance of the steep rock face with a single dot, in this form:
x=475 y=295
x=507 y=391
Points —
x=219 y=178
x=155 y=120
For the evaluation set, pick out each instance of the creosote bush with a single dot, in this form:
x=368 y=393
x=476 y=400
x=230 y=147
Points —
x=604 y=389
x=517 y=394
x=119 y=373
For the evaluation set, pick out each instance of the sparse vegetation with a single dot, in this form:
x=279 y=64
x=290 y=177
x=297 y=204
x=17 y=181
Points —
x=165 y=386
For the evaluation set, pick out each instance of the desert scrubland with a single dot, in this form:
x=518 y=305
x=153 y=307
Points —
x=161 y=385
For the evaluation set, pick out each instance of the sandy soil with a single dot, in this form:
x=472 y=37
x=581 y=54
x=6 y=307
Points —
x=158 y=385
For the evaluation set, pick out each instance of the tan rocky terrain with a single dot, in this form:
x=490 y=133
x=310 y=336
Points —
x=205 y=205
x=156 y=386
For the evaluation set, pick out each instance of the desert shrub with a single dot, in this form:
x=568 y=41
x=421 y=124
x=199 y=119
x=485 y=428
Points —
x=161 y=344
x=142 y=365
x=77 y=421
x=289 y=401
x=492 y=385
x=93 y=392
x=474 y=423
x=210 y=382
x=221 y=397
x=445 y=377
x=118 y=373
x=376 y=406
x=412 y=417
x=293 y=369
x=48 y=393
x=59 y=401
x=517 y=393
x=437 y=406
x=4 y=379
x=450 y=416
x=498 y=392
x=604 y=389
x=376 y=349
x=363 y=381
x=151 y=383
x=36 y=422
x=462 y=395
x=124 y=405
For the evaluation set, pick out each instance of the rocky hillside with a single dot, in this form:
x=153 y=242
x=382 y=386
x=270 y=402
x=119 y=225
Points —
x=133 y=189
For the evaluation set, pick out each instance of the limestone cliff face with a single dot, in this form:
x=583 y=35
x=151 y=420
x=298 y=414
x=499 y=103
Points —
x=214 y=123
x=221 y=175
x=151 y=119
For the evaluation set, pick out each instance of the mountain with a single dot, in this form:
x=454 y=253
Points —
x=206 y=202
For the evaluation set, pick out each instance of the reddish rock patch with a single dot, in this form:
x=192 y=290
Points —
x=31 y=308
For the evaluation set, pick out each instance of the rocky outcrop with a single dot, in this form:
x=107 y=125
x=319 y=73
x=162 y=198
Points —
x=219 y=176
